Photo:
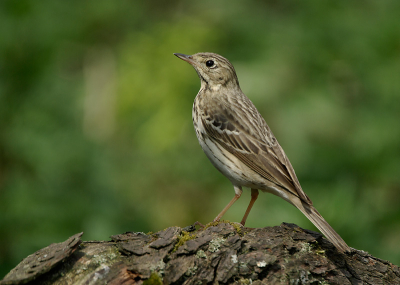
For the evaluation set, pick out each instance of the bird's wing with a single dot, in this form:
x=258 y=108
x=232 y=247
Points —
x=239 y=128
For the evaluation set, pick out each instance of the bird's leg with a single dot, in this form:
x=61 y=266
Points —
x=238 y=193
x=197 y=223
x=254 y=196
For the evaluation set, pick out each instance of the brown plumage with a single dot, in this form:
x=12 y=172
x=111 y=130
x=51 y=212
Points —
x=239 y=143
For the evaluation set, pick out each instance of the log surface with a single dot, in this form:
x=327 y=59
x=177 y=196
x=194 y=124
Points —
x=221 y=253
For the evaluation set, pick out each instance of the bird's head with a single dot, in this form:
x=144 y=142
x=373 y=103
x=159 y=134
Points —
x=215 y=71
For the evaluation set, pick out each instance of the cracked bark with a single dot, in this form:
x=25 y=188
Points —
x=223 y=253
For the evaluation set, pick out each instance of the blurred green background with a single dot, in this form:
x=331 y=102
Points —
x=96 y=132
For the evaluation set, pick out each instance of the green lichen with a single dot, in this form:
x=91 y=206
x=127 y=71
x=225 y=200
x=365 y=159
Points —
x=191 y=271
x=244 y=281
x=182 y=238
x=236 y=226
x=215 y=244
x=158 y=267
x=201 y=254
x=213 y=224
x=306 y=248
x=318 y=249
x=154 y=279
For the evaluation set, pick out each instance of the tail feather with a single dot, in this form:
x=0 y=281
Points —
x=312 y=214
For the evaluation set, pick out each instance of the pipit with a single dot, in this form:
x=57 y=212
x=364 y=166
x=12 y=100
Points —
x=239 y=143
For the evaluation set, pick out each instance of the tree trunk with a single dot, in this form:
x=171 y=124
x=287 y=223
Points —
x=219 y=253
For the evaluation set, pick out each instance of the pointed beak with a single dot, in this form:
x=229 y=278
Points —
x=185 y=57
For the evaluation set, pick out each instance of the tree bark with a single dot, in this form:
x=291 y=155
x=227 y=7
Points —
x=219 y=253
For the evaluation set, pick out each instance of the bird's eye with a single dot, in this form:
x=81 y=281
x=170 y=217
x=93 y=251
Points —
x=210 y=63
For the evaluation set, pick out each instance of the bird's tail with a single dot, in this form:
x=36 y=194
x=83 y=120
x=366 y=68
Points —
x=312 y=214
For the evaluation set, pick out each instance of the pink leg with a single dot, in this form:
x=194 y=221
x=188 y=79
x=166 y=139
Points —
x=254 y=196
x=238 y=193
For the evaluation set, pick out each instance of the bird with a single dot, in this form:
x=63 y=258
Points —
x=239 y=143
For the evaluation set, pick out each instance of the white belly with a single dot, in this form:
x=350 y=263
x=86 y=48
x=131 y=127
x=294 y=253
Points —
x=225 y=162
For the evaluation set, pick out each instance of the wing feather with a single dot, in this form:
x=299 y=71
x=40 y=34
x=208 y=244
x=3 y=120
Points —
x=261 y=153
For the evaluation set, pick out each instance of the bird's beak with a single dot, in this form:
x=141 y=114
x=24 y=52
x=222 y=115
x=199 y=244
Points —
x=185 y=57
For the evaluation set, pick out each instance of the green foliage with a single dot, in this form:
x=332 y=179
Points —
x=183 y=238
x=154 y=279
x=95 y=116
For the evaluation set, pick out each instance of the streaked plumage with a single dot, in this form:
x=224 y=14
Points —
x=239 y=143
